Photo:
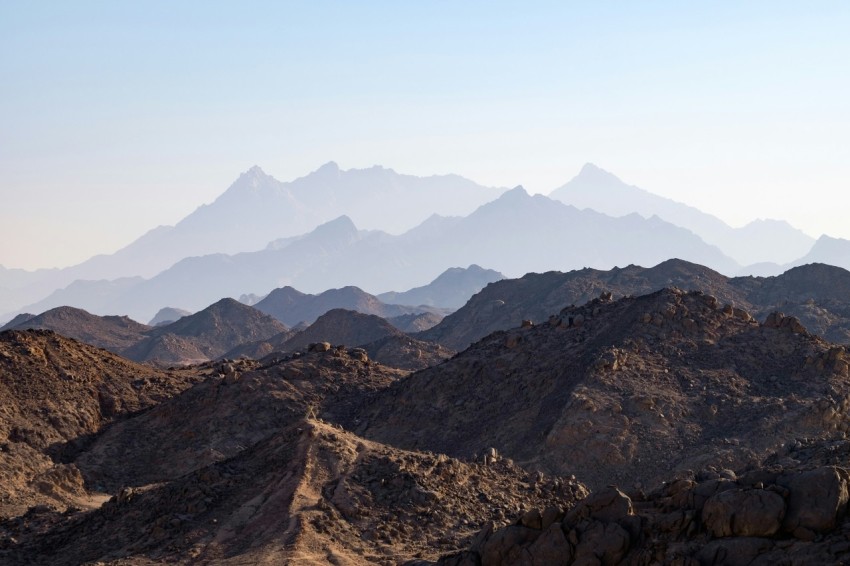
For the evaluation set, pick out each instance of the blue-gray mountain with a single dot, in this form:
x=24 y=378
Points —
x=515 y=234
x=760 y=241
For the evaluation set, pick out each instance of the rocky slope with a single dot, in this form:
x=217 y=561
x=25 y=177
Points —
x=57 y=394
x=625 y=391
x=815 y=293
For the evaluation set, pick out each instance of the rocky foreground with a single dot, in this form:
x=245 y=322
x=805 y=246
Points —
x=670 y=428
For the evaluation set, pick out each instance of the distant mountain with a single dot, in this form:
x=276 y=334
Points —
x=167 y=315
x=451 y=289
x=815 y=293
x=515 y=234
x=759 y=241
x=291 y=306
x=257 y=209
x=205 y=335
x=114 y=333
x=832 y=251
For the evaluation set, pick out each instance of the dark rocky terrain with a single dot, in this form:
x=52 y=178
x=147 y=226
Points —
x=724 y=433
x=816 y=294
x=625 y=391
x=56 y=395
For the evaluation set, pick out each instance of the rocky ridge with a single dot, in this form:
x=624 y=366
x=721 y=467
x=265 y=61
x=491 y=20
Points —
x=814 y=293
x=625 y=391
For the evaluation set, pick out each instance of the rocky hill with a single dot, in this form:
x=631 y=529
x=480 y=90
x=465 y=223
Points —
x=57 y=394
x=625 y=391
x=205 y=335
x=340 y=326
x=114 y=333
x=815 y=293
x=167 y=315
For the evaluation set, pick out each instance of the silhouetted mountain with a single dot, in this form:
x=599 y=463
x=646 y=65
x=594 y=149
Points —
x=816 y=294
x=255 y=210
x=515 y=234
x=451 y=289
x=759 y=241
x=831 y=251
x=167 y=315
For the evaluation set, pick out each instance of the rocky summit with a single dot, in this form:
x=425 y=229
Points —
x=625 y=391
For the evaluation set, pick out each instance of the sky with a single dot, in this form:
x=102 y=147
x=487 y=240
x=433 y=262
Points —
x=117 y=117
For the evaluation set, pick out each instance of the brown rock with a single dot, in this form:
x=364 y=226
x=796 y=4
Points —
x=551 y=548
x=602 y=544
x=505 y=546
x=818 y=498
x=610 y=504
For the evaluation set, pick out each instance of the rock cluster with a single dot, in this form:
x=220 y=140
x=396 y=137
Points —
x=765 y=516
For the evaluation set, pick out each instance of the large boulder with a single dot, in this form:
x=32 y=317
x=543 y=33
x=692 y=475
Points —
x=818 y=499
x=744 y=513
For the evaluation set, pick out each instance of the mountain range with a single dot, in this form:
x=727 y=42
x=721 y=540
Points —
x=515 y=234
x=814 y=293
x=322 y=231
x=257 y=209
x=760 y=241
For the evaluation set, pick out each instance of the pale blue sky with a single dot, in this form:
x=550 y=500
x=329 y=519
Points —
x=116 y=117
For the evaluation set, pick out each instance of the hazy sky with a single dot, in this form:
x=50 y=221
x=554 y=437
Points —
x=116 y=117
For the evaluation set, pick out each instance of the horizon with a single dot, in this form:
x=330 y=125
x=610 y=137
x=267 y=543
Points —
x=120 y=119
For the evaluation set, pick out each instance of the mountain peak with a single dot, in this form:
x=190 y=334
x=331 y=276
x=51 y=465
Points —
x=591 y=172
x=329 y=168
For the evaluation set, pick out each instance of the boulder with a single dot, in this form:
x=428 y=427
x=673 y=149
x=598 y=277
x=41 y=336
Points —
x=744 y=513
x=818 y=499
